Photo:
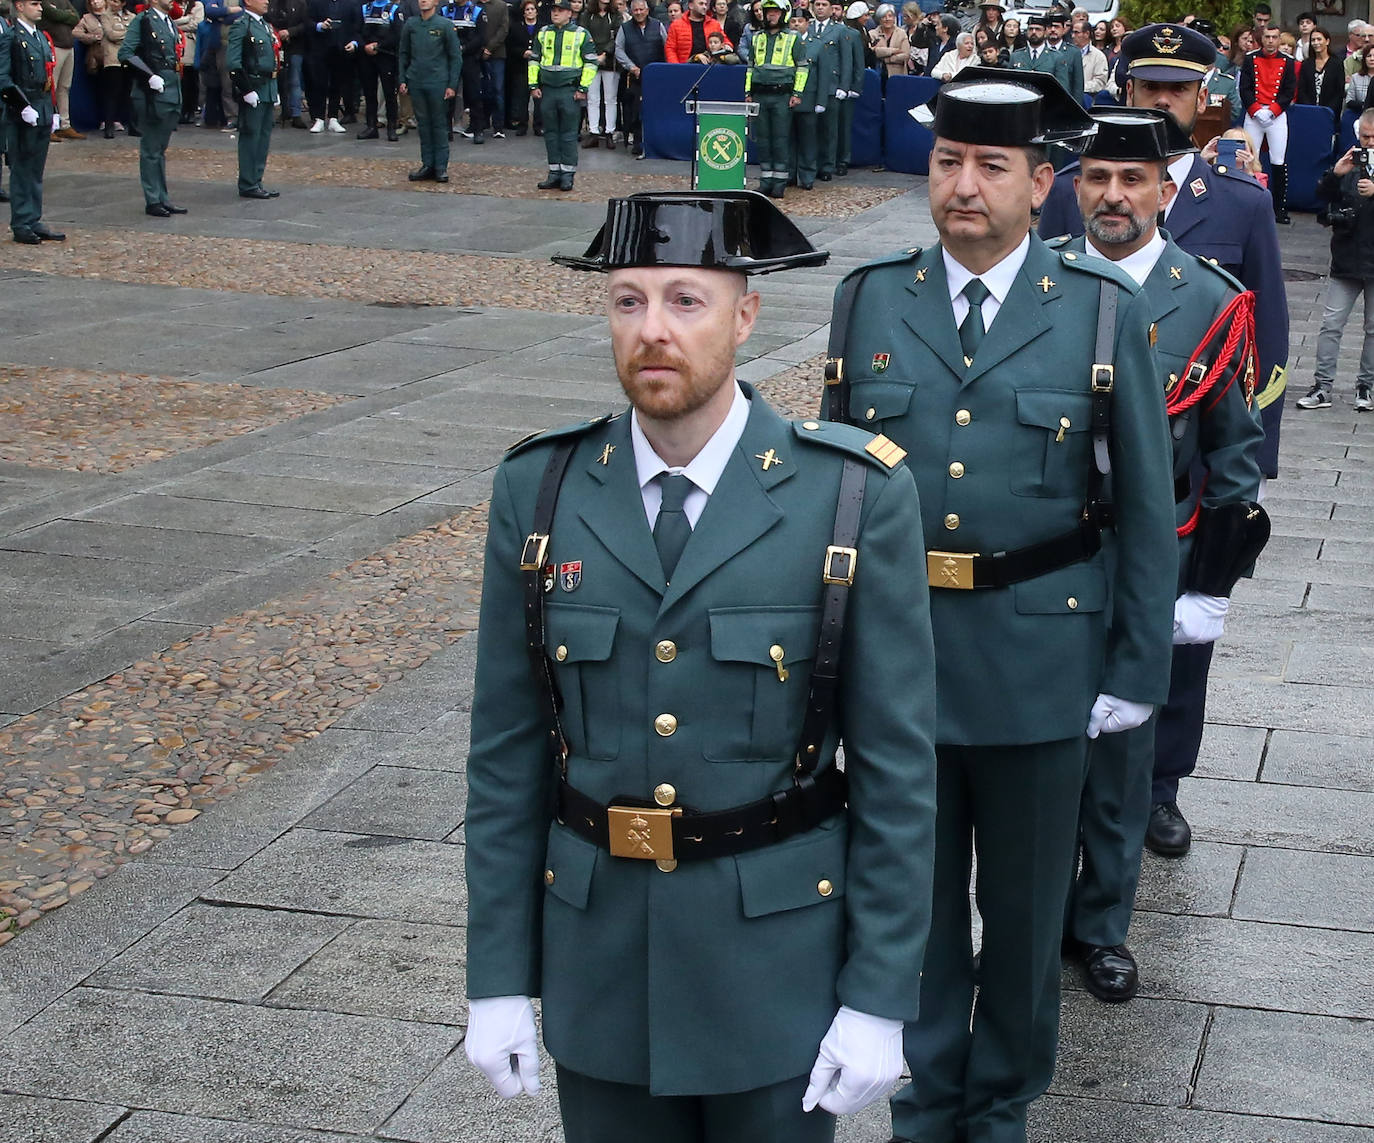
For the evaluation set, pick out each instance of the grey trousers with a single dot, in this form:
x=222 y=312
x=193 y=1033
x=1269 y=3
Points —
x=1341 y=294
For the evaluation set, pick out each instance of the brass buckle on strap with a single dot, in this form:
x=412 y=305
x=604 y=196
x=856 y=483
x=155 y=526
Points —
x=839 y=565
x=535 y=549
x=1103 y=377
x=642 y=833
x=834 y=370
x=952 y=570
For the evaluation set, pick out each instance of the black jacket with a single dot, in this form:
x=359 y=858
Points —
x=1333 y=85
x=348 y=24
x=1352 y=243
x=289 y=16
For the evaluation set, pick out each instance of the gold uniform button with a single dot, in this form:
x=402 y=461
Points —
x=665 y=794
x=871 y=413
x=824 y=888
x=1221 y=170
x=1070 y=256
x=962 y=417
x=956 y=470
x=811 y=425
x=561 y=653
x=665 y=724
x=666 y=864
x=952 y=521
x=666 y=651
x=1072 y=601
x=548 y=877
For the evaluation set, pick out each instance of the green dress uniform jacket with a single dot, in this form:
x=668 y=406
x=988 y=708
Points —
x=563 y=66
x=1222 y=85
x=152 y=39
x=430 y=62
x=853 y=44
x=252 y=59
x=777 y=71
x=833 y=66
x=805 y=160
x=1055 y=62
x=724 y=974
x=24 y=60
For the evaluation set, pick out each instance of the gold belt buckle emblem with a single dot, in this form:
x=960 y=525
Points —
x=641 y=833
x=952 y=570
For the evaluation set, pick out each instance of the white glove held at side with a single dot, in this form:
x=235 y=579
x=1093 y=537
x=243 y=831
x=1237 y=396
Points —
x=156 y=83
x=29 y=116
x=820 y=110
x=1199 y=618
x=1111 y=715
x=853 y=95
x=501 y=1029
x=251 y=99
x=841 y=94
x=56 y=121
x=859 y=1060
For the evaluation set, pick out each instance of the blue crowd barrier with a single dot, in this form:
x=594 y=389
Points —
x=907 y=144
x=866 y=140
x=1349 y=132
x=1310 y=133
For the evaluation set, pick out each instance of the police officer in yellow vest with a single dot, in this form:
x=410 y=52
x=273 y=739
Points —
x=562 y=67
x=685 y=606
x=775 y=80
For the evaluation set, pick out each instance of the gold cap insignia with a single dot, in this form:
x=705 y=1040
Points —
x=1167 y=41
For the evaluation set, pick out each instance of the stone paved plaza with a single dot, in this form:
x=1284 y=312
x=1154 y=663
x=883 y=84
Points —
x=244 y=459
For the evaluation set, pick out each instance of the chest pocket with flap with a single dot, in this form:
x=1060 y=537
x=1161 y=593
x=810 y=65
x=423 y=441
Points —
x=580 y=641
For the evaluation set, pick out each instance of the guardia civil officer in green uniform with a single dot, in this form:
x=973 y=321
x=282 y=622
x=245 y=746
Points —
x=26 y=68
x=832 y=86
x=152 y=47
x=254 y=57
x=806 y=114
x=1022 y=382
x=429 y=67
x=855 y=19
x=1216 y=434
x=685 y=606
x=775 y=80
x=562 y=67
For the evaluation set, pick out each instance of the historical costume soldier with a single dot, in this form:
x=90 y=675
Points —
x=429 y=66
x=1197 y=308
x=254 y=59
x=659 y=841
x=152 y=47
x=1021 y=381
x=1222 y=215
x=775 y=80
x=1268 y=86
x=561 y=68
x=807 y=113
x=834 y=79
x=381 y=36
x=26 y=70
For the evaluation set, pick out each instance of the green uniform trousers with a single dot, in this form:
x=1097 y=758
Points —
x=255 y=137
x=844 y=132
x=1019 y=806
x=562 y=114
x=804 y=165
x=596 y=1111
x=157 y=124
x=28 y=151
x=431 y=116
x=828 y=137
x=772 y=136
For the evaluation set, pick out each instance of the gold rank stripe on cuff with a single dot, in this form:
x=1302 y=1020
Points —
x=885 y=451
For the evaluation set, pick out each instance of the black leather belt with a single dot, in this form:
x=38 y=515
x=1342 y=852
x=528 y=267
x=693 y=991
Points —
x=1183 y=488
x=772 y=88
x=965 y=571
x=645 y=831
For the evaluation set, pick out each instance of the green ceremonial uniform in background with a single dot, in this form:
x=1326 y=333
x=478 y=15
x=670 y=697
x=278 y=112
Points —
x=252 y=62
x=152 y=39
x=723 y=974
x=777 y=71
x=1222 y=85
x=1001 y=452
x=563 y=66
x=805 y=162
x=1070 y=72
x=430 y=61
x=1222 y=434
x=24 y=60
x=853 y=43
x=833 y=65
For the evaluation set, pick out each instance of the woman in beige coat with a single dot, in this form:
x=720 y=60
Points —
x=114 y=76
x=193 y=15
x=890 y=43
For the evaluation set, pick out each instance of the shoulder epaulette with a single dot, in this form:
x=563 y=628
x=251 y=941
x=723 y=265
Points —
x=1072 y=260
x=525 y=443
x=895 y=258
x=1239 y=175
x=849 y=439
x=1058 y=241
x=1224 y=274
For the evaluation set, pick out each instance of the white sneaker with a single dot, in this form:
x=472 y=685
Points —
x=1364 y=399
x=1316 y=398
x=317 y=127
x=337 y=128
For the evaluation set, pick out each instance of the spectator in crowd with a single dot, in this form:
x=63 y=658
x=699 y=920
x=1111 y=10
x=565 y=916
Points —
x=991 y=17
x=59 y=18
x=1247 y=157
x=947 y=29
x=288 y=18
x=891 y=45
x=719 y=51
x=1012 y=37
x=331 y=25
x=114 y=79
x=212 y=57
x=470 y=22
x=1321 y=77
x=1268 y=83
x=687 y=35
x=952 y=63
x=1103 y=42
x=1349 y=189
x=1306 y=23
x=519 y=48
x=1263 y=17
x=188 y=24
x=990 y=55
x=379 y=41
x=494 y=65
x=1288 y=45
x=602 y=24
x=673 y=11
x=638 y=43
x=1242 y=44
x=1356 y=37
x=89 y=35
x=1357 y=89
x=1095 y=71
x=735 y=20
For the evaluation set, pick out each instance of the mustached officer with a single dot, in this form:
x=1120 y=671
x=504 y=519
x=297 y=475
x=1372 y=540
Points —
x=1021 y=380
x=725 y=942
x=562 y=66
x=775 y=80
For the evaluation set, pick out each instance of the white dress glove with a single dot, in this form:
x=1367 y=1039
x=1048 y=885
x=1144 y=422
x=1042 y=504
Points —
x=1199 y=618
x=501 y=1028
x=1264 y=117
x=29 y=116
x=853 y=95
x=251 y=99
x=841 y=94
x=156 y=83
x=859 y=1060
x=1111 y=715
x=56 y=121
x=820 y=110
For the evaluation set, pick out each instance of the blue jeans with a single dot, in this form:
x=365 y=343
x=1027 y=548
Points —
x=295 y=68
x=494 y=77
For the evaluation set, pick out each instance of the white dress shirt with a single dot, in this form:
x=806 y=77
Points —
x=1138 y=265
x=1179 y=170
x=998 y=280
x=703 y=470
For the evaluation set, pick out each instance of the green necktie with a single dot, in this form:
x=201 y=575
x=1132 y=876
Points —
x=972 y=330
x=672 y=529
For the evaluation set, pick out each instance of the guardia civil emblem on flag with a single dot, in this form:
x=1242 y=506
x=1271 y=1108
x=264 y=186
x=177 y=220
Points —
x=880 y=361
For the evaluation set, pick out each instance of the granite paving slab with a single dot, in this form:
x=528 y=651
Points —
x=32 y=1119
x=153 y=510
x=367 y=499
x=1062 y=1120
x=1339 y=761
x=1201 y=883
x=176 y=547
x=396 y=801
x=1231 y=751
x=1299 y=888
x=160 y=1127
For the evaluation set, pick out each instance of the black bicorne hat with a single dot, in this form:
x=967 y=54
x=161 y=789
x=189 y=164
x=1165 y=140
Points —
x=1136 y=134
x=1168 y=53
x=995 y=107
x=714 y=230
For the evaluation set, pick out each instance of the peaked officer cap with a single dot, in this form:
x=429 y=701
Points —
x=996 y=107
x=1136 y=134
x=716 y=230
x=1168 y=53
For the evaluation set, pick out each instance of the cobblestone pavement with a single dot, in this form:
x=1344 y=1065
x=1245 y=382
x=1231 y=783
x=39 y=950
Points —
x=239 y=555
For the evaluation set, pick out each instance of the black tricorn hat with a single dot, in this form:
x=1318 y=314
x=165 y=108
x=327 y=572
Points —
x=714 y=230
x=1136 y=134
x=995 y=107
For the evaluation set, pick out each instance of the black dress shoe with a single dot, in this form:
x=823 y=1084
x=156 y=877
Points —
x=391 y=136
x=270 y=193
x=172 y=208
x=255 y=192
x=368 y=133
x=135 y=133
x=1168 y=833
x=108 y=132
x=420 y=175
x=842 y=170
x=441 y=176
x=1110 y=972
x=27 y=237
x=824 y=177
x=157 y=210
x=48 y=235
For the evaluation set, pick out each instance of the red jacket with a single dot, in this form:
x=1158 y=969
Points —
x=1268 y=81
x=678 y=47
